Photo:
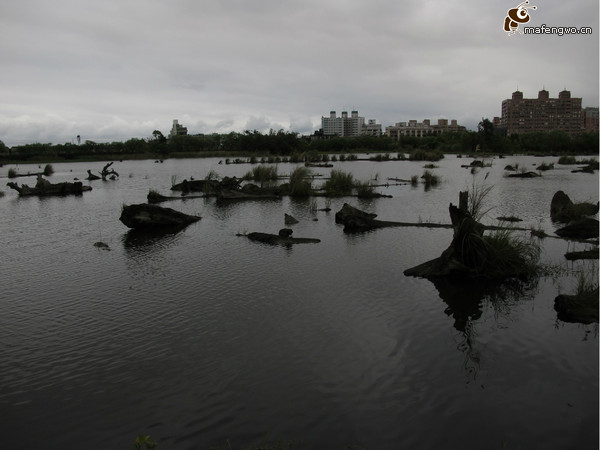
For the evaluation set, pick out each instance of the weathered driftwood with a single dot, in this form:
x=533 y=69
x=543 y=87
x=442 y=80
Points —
x=240 y=194
x=524 y=175
x=227 y=189
x=590 y=168
x=509 y=219
x=44 y=188
x=309 y=164
x=206 y=186
x=562 y=208
x=355 y=220
x=584 y=254
x=148 y=216
x=155 y=197
x=282 y=238
x=108 y=172
x=91 y=176
x=585 y=228
x=582 y=308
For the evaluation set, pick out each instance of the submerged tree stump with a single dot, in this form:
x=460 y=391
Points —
x=470 y=255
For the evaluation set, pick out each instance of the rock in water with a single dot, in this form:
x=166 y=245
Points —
x=289 y=220
x=149 y=216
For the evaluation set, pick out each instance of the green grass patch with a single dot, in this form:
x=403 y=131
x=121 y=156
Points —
x=365 y=190
x=300 y=184
x=545 y=166
x=430 y=178
x=339 y=183
x=262 y=174
x=48 y=170
x=567 y=159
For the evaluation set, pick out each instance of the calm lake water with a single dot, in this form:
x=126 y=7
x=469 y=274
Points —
x=204 y=338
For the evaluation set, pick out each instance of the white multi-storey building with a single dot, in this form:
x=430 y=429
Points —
x=348 y=126
x=178 y=130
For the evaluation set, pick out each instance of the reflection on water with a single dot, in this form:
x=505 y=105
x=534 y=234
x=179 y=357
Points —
x=465 y=300
x=199 y=336
x=146 y=240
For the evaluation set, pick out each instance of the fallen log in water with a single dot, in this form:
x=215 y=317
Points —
x=44 y=188
x=585 y=228
x=283 y=238
x=584 y=254
x=155 y=197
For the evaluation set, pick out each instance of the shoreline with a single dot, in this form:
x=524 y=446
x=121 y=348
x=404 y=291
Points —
x=227 y=154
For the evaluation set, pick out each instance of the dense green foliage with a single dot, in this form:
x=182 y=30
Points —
x=298 y=148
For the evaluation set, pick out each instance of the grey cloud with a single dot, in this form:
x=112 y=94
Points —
x=232 y=65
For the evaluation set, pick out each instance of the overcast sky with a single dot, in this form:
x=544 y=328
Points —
x=112 y=70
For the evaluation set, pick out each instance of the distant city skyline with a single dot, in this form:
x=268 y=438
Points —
x=111 y=71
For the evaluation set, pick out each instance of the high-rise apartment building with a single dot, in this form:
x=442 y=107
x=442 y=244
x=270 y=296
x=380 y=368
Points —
x=178 y=130
x=590 y=119
x=349 y=126
x=524 y=115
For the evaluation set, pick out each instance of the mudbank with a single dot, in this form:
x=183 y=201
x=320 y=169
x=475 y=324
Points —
x=45 y=188
x=145 y=216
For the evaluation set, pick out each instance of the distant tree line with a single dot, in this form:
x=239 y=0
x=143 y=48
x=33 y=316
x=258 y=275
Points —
x=286 y=143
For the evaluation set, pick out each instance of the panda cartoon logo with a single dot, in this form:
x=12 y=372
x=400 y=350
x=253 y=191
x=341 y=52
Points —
x=516 y=16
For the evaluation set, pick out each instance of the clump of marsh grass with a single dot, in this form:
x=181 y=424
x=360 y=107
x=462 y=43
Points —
x=424 y=155
x=262 y=174
x=339 y=183
x=477 y=202
x=501 y=254
x=567 y=160
x=510 y=253
x=414 y=180
x=581 y=307
x=12 y=173
x=48 y=170
x=365 y=190
x=300 y=185
x=587 y=283
x=212 y=175
x=538 y=231
x=430 y=178
x=545 y=166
